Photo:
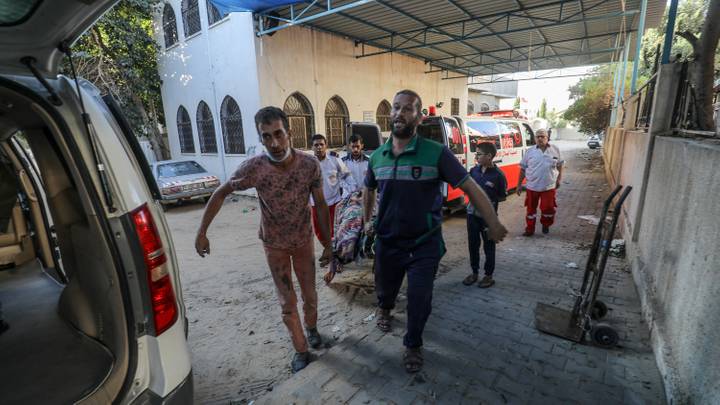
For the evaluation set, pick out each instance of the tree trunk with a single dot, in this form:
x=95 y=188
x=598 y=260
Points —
x=702 y=70
x=154 y=135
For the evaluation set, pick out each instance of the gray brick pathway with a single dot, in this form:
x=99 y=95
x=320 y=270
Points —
x=481 y=346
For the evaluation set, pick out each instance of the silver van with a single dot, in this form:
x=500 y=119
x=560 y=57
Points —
x=89 y=283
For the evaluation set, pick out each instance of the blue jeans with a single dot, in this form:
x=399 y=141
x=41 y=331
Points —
x=420 y=264
x=476 y=228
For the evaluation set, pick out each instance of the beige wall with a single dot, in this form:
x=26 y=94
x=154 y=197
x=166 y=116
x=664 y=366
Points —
x=321 y=65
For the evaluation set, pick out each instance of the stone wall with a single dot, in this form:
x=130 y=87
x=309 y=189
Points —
x=673 y=245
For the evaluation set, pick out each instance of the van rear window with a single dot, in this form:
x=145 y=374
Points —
x=13 y=12
x=370 y=135
x=483 y=131
x=431 y=129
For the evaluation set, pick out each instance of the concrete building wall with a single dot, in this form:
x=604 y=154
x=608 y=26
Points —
x=478 y=99
x=678 y=264
x=227 y=59
x=673 y=246
x=216 y=62
x=507 y=89
x=568 y=134
x=321 y=65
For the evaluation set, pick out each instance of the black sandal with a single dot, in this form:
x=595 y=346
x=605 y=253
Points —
x=413 y=359
x=384 y=320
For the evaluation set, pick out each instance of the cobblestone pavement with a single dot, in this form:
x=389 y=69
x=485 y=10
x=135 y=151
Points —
x=481 y=345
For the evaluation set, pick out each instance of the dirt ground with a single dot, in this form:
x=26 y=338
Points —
x=240 y=347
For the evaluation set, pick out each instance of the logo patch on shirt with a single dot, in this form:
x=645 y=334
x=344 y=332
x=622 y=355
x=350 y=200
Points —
x=416 y=172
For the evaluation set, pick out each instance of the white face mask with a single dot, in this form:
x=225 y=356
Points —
x=284 y=158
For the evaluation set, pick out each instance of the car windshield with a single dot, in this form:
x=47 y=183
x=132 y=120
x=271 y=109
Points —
x=179 y=169
x=13 y=12
x=483 y=131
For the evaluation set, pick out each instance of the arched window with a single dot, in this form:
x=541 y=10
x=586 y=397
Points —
x=301 y=117
x=169 y=26
x=185 y=135
x=470 y=107
x=206 y=129
x=484 y=107
x=336 y=117
x=191 y=17
x=213 y=13
x=232 y=128
x=382 y=116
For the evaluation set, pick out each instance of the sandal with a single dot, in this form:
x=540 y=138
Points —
x=470 y=279
x=384 y=320
x=413 y=359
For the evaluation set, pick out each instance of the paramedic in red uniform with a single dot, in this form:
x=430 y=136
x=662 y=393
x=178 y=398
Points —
x=542 y=167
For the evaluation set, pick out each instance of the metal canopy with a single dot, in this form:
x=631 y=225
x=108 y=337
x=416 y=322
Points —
x=473 y=38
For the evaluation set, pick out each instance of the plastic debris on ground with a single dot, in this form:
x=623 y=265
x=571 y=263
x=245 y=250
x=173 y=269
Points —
x=571 y=265
x=617 y=248
x=590 y=218
x=369 y=318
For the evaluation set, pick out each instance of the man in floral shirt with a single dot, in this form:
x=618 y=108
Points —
x=284 y=180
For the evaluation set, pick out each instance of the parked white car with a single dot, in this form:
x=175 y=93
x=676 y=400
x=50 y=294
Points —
x=183 y=180
x=89 y=284
x=595 y=141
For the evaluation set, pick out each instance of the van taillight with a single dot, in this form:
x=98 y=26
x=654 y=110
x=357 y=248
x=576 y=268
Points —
x=161 y=289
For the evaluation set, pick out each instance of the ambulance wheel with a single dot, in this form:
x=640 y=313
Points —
x=599 y=310
x=604 y=335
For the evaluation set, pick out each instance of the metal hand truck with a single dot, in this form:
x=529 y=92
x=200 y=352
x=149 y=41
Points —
x=573 y=325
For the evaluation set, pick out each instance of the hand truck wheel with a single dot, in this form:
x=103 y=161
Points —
x=599 y=310
x=604 y=335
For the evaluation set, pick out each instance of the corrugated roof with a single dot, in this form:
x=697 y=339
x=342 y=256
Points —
x=470 y=37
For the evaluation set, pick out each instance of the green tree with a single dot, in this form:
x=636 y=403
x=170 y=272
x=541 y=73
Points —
x=543 y=109
x=696 y=38
x=690 y=18
x=593 y=96
x=119 y=56
x=556 y=119
x=517 y=103
x=702 y=71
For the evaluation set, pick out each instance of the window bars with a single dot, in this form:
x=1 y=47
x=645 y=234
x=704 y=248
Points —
x=169 y=26
x=206 y=129
x=191 y=17
x=232 y=128
x=185 y=131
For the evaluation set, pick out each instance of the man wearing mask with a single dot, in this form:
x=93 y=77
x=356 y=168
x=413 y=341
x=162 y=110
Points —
x=408 y=171
x=284 y=179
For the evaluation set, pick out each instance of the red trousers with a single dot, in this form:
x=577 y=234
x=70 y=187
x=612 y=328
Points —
x=282 y=263
x=316 y=225
x=546 y=199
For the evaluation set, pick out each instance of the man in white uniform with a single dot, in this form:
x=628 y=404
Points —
x=336 y=180
x=356 y=161
x=542 y=166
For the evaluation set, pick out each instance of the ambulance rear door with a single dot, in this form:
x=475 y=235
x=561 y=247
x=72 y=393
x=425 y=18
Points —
x=511 y=140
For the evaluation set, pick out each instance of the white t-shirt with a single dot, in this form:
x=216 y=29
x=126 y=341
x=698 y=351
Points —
x=542 y=168
x=336 y=176
x=358 y=170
